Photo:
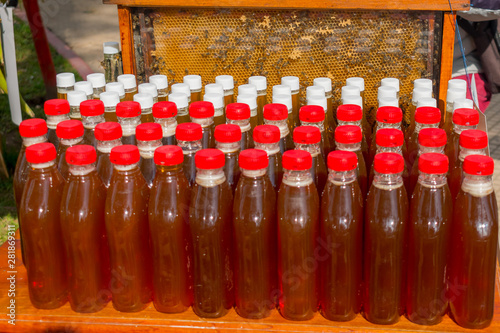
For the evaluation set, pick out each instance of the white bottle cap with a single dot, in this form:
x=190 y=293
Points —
x=260 y=82
x=318 y=100
x=65 y=80
x=353 y=99
x=75 y=97
x=388 y=101
x=356 y=82
x=159 y=80
x=181 y=88
x=180 y=100
x=324 y=82
x=422 y=83
x=283 y=99
x=419 y=93
x=463 y=103
x=386 y=91
x=216 y=99
x=247 y=89
x=146 y=100
x=214 y=88
x=455 y=93
x=281 y=89
x=98 y=80
x=457 y=84
x=227 y=81
x=426 y=101
x=84 y=86
x=349 y=91
x=315 y=91
x=117 y=87
x=111 y=47
x=390 y=82
x=128 y=81
x=193 y=81
x=291 y=81
x=148 y=88
x=109 y=98
x=249 y=99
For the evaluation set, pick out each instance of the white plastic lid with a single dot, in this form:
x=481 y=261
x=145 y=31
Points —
x=324 y=82
x=111 y=47
x=318 y=100
x=291 y=81
x=388 y=101
x=315 y=91
x=353 y=99
x=227 y=81
x=349 y=91
x=84 y=86
x=422 y=83
x=65 y=80
x=180 y=100
x=356 y=82
x=146 y=100
x=281 y=89
x=283 y=99
x=419 y=93
x=463 y=103
x=109 y=98
x=193 y=81
x=75 y=97
x=457 y=84
x=247 y=89
x=116 y=87
x=128 y=81
x=214 y=88
x=148 y=88
x=98 y=80
x=390 y=82
x=386 y=91
x=455 y=93
x=260 y=82
x=250 y=100
x=426 y=101
x=181 y=88
x=159 y=80
x=216 y=99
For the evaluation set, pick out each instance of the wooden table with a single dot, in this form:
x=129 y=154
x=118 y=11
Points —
x=29 y=319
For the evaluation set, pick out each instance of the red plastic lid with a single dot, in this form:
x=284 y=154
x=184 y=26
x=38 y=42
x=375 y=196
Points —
x=164 y=110
x=208 y=159
x=427 y=115
x=276 y=111
x=311 y=114
x=297 y=160
x=465 y=117
x=432 y=137
x=253 y=159
x=201 y=109
x=237 y=111
x=92 y=108
x=69 y=129
x=349 y=112
x=388 y=163
x=266 y=134
x=433 y=163
x=389 y=114
x=55 y=107
x=41 y=153
x=473 y=139
x=128 y=109
x=31 y=128
x=348 y=134
x=148 y=132
x=108 y=131
x=168 y=155
x=306 y=134
x=124 y=155
x=188 y=132
x=389 y=137
x=342 y=160
x=227 y=133
x=479 y=165
x=81 y=155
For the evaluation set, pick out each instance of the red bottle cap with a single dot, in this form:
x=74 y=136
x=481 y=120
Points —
x=297 y=160
x=306 y=134
x=108 y=131
x=349 y=112
x=388 y=163
x=125 y=155
x=427 y=115
x=81 y=155
x=479 y=165
x=237 y=111
x=311 y=114
x=473 y=139
x=465 y=117
x=164 y=110
x=276 y=111
x=128 y=109
x=348 y=134
x=188 y=132
x=266 y=134
x=168 y=155
x=55 y=107
x=202 y=109
x=91 y=108
x=31 y=128
x=433 y=163
x=389 y=137
x=389 y=115
x=227 y=133
x=41 y=153
x=342 y=160
x=208 y=159
x=148 y=132
x=69 y=129
x=253 y=159
x=432 y=137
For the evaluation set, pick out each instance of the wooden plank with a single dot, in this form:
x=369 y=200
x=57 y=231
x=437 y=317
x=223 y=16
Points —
x=126 y=37
x=448 y=42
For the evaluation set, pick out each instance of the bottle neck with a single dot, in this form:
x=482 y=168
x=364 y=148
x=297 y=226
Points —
x=253 y=113
x=254 y=174
x=229 y=92
x=182 y=111
x=92 y=122
x=110 y=109
x=319 y=125
x=381 y=125
x=269 y=148
x=168 y=125
x=355 y=123
x=458 y=129
x=262 y=92
x=432 y=180
x=340 y=178
x=228 y=147
x=244 y=124
x=129 y=125
x=204 y=122
x=106 y=146
x=126 y=168
x=34 y=140
x=386 y=181
x=210 y=178
x=189 y=147
x=313 y=148
x=52 y=121
x=70 y=142
x=40 y=166
x=297 y=178
x=170 y=170
x=420 y=126
x=477 y=186
x=81 y=170
x=464 y=152
x=425 y=149
x=348 y=146
x=74 y=112
x=281 y=124
x=397 y=150
x=146 y=111
x=147 y=148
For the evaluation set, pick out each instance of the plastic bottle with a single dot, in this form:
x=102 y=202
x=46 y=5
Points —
x=98 y=81
x=149 y=88
x=129 y=116
x=218 y=102
x=165 y=113
x=161 y=83
x=86 y=87
x=360 y=83
x=313 y=115
x=227 y=83
x=308 y=138
x=194 y=83
x=350 y=114
x=267 y=138
x=56 y=110
x=251 y=101
x=110 y=100
x=463 y=119
x=330 y=122
x=260 y=82
x=425 y=117
x=239 y=114
x=451 y=96
x=69 y=133
x=227 y=140
x=276 y=114
x=189 y=137
x=146 y=102
x=387 y=117
x=92 y=112
x=129 y=84
x=294 y=84
x=65 y=83
x=287 y=101
x=118 y=88
x=181 y=101
x=74 y=98
x=203 y=113
x=418 y=93
x=149 y=138
x=326 y=84
x=108 y=135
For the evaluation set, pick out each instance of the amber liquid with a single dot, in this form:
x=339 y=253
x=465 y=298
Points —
x=290 y=122
x=253 y=122
x=246 y=140
x=104 y=168
x=183 y=119
x=148 y=170
x=129 y=96
x=232 y=169
x=84 y=233
x=110 y=116
x=196 y=96
x=20 y=176
x=295 y=111
x=208 y=138
x=162 y=98
x=219 y=120
x=61 y=95
x=61 y=163
x=275 y=170
x=42 y=243
x=170 y=240
x=319 y=173
x=261 y=101
x=452 y=148
x=228 y=99
x=286 y=143
x=128 y=237
x=362 y=173
x=52 y=137
x=147 y=118
x=455 y=178
x=89 y=138
x=412 y=149
x=129 y=140
x=406 y=179
x=189 y=168
x=169 y=141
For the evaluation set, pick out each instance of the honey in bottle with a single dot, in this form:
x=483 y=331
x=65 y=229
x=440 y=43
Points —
x=74 y=98
x=260 y=82
x=287 y=101
x=194 y=83
x=227 y=83
x=65 y=83
x=452 y=94
x=210 y=220
x=169 y=230
x=227 y=140
x=239 y=114
x=314 y=115
x=341 y=230
x=116 y=87
x=386 y=117
x=267 y=138
x=254 y=227
x=276 y=114
x=98 y=81
x=128 y=232
x=92 y=112
x=251 y=101
x=129 y=116
x=108 y=135
x=474 y=244
x=129 y=84
x=386 y=219
x=149 y=88
x=202 y=113
x=351 y=114
x=189 y=137
x=458 y=103
x=69 y=133
x=164 y=113
x=181 y=101
x=218 y=102
x=308 y=138
x=161 y=83
x=148 y=137
x=56 y=110
x=84 y=232
x=42 y=242
x=429 y=230
x=146 y=102
x=419 y=92
x=425 y=117
x=298 y=232
x=110 y=100
x=294 y=84
x=86 y=87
